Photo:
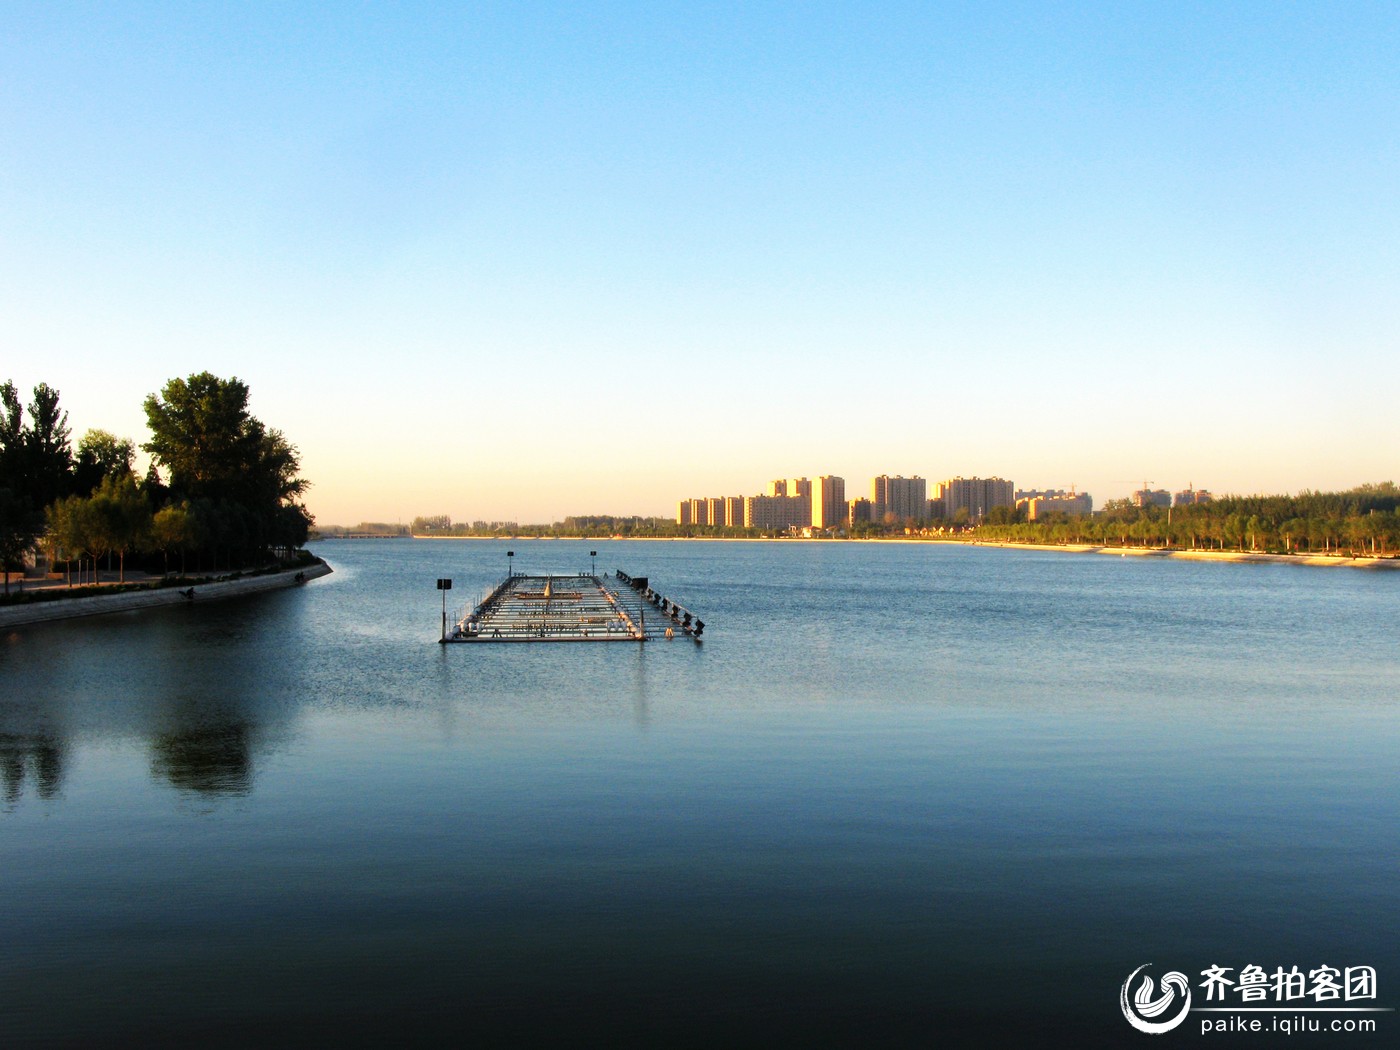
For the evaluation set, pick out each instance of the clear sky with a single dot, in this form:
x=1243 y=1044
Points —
x=532 y=259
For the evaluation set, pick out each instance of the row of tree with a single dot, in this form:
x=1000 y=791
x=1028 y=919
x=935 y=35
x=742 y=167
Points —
x=222 y=488
x=598 y=526
x=1363 y=520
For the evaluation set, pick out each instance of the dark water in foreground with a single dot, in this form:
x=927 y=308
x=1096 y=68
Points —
x=903 y=795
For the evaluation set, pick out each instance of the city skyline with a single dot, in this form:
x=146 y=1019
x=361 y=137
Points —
x=801 y=503
x=1043 y=244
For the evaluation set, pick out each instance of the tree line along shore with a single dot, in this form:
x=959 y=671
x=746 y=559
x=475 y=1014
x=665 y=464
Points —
x=222 y=493
x=1360 y=522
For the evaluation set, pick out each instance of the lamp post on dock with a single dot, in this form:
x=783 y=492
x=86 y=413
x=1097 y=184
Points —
x=510 y=565
x=592 y=562
x=444 y=585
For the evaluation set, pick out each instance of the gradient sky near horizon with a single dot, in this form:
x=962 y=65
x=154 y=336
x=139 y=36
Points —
x=518 y=261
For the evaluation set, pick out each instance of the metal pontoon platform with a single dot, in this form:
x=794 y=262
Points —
x=580 y=608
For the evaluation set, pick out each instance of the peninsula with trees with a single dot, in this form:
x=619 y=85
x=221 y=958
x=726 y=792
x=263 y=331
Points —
x=222 y=493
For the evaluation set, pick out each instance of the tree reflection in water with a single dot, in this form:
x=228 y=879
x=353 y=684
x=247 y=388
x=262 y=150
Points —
x=25 y=755
x=214 y=760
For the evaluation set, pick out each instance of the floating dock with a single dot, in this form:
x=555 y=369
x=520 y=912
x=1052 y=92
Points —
x=579 y=608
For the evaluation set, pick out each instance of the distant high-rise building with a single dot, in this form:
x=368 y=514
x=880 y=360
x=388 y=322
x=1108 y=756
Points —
x=734 y=511
x=1190 y=496
x=1075 y=506
x=713 y=510
x=899 y=497
x=777 y=512
x=829 y=502
x=1151 y=498
x=975 y=495
x=859 y=510
x=787 y=504
x=1039 y=502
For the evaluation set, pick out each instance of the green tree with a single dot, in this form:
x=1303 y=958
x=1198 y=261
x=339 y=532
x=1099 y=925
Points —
x=1004 y=516
x=122 y=517
x=275 y=474
x=46 y=442
x=74 y=531
x=1293 y=531
x=203 y=434
x=19 y=526
x=35 y=467
x=172 y=528
x=101 y=454
x=1253 y=529
x=12 y=453
x=239 y=477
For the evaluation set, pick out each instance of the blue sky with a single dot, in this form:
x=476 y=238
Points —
x=520 y=261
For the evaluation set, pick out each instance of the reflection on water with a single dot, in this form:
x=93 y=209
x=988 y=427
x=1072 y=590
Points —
x=201 y=690
x=214 y=760
x=38 y=758
x=894 y=782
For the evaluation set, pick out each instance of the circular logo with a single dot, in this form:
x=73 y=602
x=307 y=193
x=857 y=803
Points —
x=1143 y=1006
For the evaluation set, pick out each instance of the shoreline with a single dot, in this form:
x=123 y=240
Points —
x=127 y=601
x=1257 y=557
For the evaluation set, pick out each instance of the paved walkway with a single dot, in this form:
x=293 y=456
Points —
x=98 y=604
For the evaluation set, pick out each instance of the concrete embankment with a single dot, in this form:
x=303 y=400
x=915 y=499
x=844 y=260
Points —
x=126 y=601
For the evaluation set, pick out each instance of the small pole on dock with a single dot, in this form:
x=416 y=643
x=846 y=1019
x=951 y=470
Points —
x=444 y=585
x=593 y=563
x=510 y=565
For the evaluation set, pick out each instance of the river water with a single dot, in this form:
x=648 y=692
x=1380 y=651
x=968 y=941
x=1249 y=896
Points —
x=902 y=794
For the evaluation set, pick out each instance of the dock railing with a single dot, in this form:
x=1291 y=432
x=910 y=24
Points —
x=574 y=608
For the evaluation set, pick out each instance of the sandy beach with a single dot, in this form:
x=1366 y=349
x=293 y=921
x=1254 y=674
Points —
x=1257 y=557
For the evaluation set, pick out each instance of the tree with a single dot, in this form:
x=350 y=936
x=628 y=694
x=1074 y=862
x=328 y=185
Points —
x=19 y=525
x=35 y=459
x=239 y=477
x=1004 y=516
x=173 y=529
x=35 y=464
x=46 y=442
x=73 y=530
x=1293 y=530
x=11 y=438
x=122 y=516
x=1252 y=529
x=202 y=433
x=101 y=454
x=1236 y=526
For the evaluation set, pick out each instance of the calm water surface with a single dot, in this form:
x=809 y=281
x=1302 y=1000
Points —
x=902 y=795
